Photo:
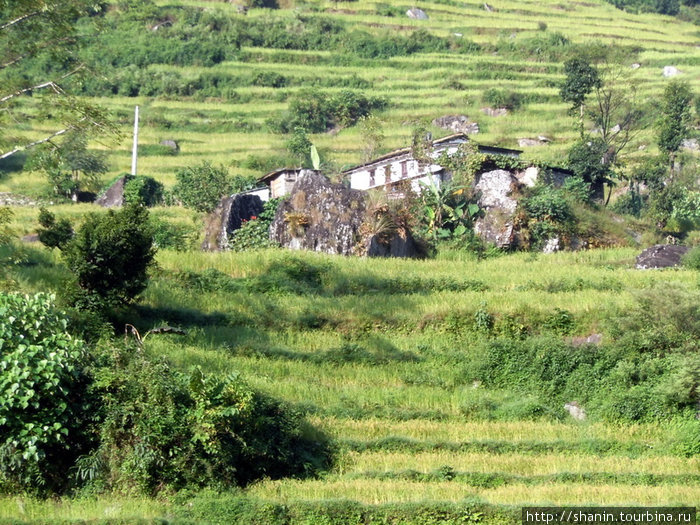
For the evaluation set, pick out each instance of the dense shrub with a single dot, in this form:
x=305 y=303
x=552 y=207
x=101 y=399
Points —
x=53 y=233
x=44 y=410
x=143 y=190
x=163 y=428
x=201 y=187
x=110 y=256
x=502 y=98
x=317 y=112
x=255 y=232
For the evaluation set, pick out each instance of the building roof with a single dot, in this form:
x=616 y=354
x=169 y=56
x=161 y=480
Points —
x=437 y=142
x=273 y=174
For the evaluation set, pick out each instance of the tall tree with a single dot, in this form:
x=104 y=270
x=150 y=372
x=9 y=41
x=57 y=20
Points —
x=38 y=40
x=675 y=121
x=581 y=79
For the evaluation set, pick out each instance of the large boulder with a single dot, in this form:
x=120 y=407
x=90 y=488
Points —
x=396 y=246
x=114 y=196
x=457 y=124
x=227 y=218
x=319 y=216
x=661 y=256
x=416 y=14
x=495 y=189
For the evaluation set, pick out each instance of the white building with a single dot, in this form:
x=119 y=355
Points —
x=400 y=165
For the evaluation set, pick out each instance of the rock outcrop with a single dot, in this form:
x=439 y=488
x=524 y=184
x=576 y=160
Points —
x=416 y=14
x=319 y=216
x=661 y=256
x=397 y=246
x=495 y=189
x=228 y=217
x=172 y=144
x=457 y=124
x=495 y=112
x=670 y=71
x=114 y=196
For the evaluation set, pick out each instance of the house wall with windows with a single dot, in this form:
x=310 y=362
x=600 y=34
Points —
x=400 y=165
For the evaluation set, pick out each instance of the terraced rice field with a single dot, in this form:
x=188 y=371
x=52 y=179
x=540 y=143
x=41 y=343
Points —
x=418 y=88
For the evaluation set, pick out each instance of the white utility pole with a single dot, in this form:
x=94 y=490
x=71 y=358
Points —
x=135 y=150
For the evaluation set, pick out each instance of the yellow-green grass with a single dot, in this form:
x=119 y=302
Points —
x=373 y=491
x=513 y=463
x=73 y=510
x=415 y=86
x=373 y=428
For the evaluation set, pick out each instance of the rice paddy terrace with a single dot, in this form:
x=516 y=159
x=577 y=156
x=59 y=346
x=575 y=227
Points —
x=515 y=54
x=382 y=360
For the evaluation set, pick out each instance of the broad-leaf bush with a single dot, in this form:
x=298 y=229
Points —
x=44 y=410
x=110 y=256
x=164 y=428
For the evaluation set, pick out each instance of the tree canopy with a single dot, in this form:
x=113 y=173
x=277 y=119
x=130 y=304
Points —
x=38 y=43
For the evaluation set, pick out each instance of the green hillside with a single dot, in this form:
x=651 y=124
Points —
x=223 y=112
x=420 y=391
x=394 y=372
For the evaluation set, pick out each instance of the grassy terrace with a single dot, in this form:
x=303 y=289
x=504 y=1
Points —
x=408 y=423
x=417 y=87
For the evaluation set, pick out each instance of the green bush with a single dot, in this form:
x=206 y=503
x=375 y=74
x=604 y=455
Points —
x=502 y=98
x=692 y=258
x=45 y=412
x=110 y=256
x=143 y=190
x=254 y=234
x=54 y=234
x=163 y=428
x=317 y=112
x=201 y=187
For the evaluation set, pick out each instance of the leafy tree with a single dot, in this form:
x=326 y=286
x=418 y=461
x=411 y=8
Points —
x=588 y=159
x=372 y=137
x=71 y=167
x=581 y=79
x=299 y=146
x=5 y=219
x=675 y=121
x=143 y=190
x=110 y=256
x=38 y=39
x=54 y=234
x=44 y=409
x=201 y=187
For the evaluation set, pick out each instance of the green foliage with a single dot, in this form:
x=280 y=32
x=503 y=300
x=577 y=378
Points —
x=649 y=369
x=629 y=203
x=5 y=219
x=201 y=187
x=503 y=98
x=143 y=190
x=587 y=161
x=71 y=167
x=299 y=146
x=44 y=409
x=110 y=256
x=548 y=204
x=577 y=189
x=165 y=429
x=674 y=124
x=664 y=7
x=54 y=234
x=581 y=79
x=692 y=258
x=254 y=233
x=317 y=112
